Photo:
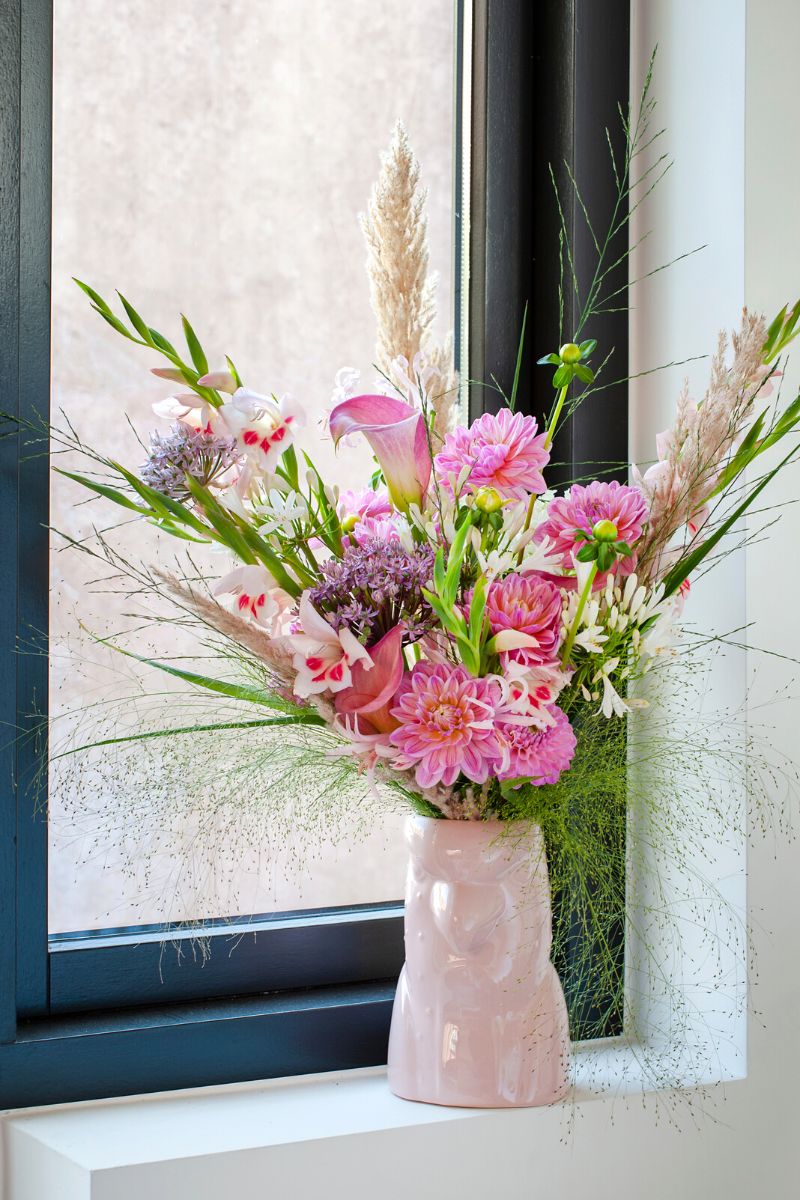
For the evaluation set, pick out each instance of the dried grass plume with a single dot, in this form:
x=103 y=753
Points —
x=402 y=289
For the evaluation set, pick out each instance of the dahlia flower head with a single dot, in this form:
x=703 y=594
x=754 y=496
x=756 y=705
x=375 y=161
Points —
x=539 y=755
x=500 y=450
x=447 y=725
x=451 y=723
x=531 y=606
x=582 y=507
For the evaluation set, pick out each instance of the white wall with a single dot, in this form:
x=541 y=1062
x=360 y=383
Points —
x=736 y=186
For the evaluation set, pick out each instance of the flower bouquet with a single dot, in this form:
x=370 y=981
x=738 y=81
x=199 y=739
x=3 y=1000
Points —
x=463 y=638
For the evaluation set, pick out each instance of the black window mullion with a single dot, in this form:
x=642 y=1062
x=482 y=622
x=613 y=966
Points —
x=548 y=80
x=34 y=492
x=9 y=543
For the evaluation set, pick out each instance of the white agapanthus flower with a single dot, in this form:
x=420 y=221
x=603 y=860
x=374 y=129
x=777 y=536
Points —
x=280 y=511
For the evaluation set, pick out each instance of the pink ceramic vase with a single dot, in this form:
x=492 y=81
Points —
x=479 y=1018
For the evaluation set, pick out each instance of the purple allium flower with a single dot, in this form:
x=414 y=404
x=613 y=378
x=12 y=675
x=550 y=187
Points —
x=186 y=451
x=529 y=605
x=374 y=586
x=582 y=507
x=539 y=755
x=503 y=451
x=447 y=725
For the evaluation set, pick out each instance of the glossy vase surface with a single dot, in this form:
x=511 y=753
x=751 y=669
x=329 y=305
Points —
x=479 y=1019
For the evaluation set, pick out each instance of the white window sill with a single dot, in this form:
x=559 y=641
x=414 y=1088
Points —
x=212 y=1142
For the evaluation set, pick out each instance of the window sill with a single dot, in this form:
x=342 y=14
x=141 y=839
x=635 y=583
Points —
x=200 y=1141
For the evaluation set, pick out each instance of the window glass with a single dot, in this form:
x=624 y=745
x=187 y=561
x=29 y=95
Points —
x=211 y=156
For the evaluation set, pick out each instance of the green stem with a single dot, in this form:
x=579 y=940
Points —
x=527 y=525
x=573 y=633
x=551 y=429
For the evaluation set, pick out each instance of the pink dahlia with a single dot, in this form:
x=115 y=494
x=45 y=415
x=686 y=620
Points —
x=447 y=725
x=502 y=451
x=531 y=607
x=364 y=502
x=539 y=755
x=582 y=507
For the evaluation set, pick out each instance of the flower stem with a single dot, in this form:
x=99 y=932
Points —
x=551 y=429
x=573 y=633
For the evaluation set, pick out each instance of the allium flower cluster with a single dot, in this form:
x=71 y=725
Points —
x=502 y=451
x=374 y=587
x=199 y=453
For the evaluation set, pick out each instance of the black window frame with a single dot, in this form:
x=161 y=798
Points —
x=86 y=1016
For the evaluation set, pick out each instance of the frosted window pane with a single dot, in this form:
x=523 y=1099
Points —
x=213 y=154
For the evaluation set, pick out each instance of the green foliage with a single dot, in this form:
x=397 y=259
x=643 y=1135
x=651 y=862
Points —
x=153 y=340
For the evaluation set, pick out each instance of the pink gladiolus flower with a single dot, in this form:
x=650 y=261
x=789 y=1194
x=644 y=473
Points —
x=370 y=696
x=502 y=451
x=582 y=507
x=258 y=595
x=538 y=755
x=323 y=657
x=533 y=691
x=447 y=725
x=190 y=409
x=396 y=432
x=263 y=427
x=524 y=614
x=220 y=381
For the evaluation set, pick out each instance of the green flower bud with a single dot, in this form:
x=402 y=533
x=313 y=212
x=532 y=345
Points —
x=605 y=531
x=487 y=500
x=570 y=353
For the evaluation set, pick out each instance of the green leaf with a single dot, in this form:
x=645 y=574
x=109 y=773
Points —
x=563 y=376
x=684 y=567
x=195 y=349
x=94 y=296
x=213 y=727
x=235 y=691
x=237 y=377
x=221 y=521
x=159 y=503
x=116 y=324
x=438 y=572
x=175 y=531
x=161 y=343
x=288 y=459
x=588 y=347
x=136 y=321
x=513 y=400
x=103 y=489
x=454 y=561
x=477 y=609
x=587 y=553
x=774 y=330
x=585 y=374
x=549 y=360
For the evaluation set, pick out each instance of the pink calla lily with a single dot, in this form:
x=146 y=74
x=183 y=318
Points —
x=373 y=687
x=396 y=432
